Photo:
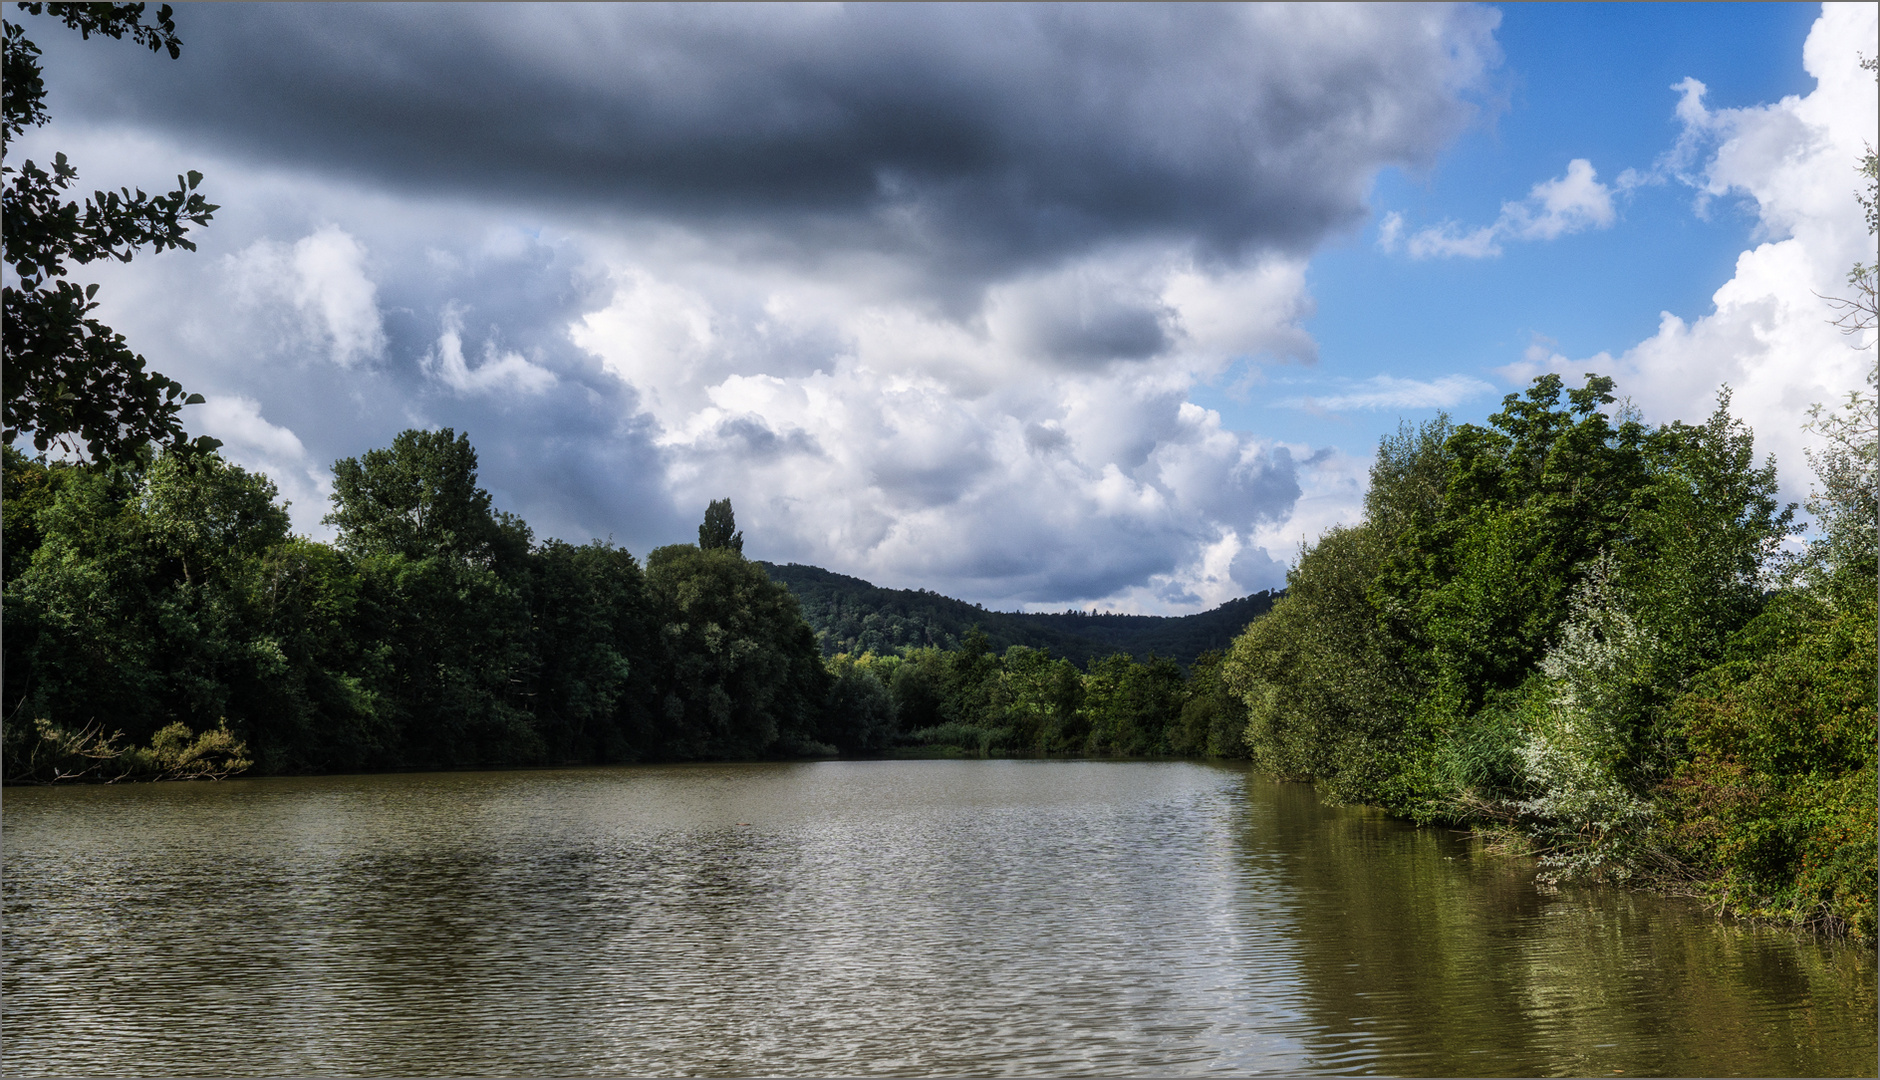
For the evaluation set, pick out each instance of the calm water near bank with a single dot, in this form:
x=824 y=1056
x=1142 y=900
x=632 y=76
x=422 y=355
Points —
x=910 y=917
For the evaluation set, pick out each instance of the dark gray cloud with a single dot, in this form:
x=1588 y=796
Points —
x=988 y=136
x=754 y=438
x=924 y=290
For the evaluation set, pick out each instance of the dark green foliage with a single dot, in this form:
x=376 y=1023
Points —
x=1213 y=718
x=1179 y=637
x=1475 y=585
x=29 y=487
x=160 y=596
x=1777 y=800
x=326 y=708
x=1324 y=700
x=860 y=717
x=444 y=601
x=1040 y=702
x=1132 y=705
x=1026 y=701
x=152 y=599
x=851 y=616
x=70 y=380
x=739 y=670
x=1401 y=661
x=138 y=607
x=593 y=688
x=720 y=528
x=848 y=615
x=420 y=498
x=1561 y=624
x=916 y=686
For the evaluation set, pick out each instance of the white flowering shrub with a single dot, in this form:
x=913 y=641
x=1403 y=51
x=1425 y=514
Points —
x=1580 y=758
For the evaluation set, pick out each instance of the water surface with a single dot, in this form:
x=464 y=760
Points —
x=921 y=917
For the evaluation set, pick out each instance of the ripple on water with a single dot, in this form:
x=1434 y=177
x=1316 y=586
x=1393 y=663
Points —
x=856 y=917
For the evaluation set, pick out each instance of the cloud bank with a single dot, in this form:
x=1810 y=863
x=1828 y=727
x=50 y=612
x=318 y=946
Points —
x=924 y=290
x=977 y=139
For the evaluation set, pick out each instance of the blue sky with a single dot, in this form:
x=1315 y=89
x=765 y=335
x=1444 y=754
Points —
x=1577 y=81
x=1043 y=307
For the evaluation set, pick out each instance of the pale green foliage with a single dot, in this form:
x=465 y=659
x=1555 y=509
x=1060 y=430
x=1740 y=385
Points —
x=1844 y=555
x=1605 y=664
x=48 y=753
x=1576 y=758
x=204 y=510
x=176 y=753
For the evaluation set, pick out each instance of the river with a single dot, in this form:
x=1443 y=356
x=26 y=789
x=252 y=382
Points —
x=856 y=918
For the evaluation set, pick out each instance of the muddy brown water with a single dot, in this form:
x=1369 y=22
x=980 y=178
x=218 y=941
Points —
x=856 y=918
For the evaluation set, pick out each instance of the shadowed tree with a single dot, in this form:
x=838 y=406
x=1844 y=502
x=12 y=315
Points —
x=719 y=528
x=420 y=497
x=72 y=381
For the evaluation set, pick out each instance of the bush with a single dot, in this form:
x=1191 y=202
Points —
x=46 y=753
x=1777 y=803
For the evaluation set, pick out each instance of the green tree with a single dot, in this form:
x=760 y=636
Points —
x=1504 y=632
x=916 y=686
x=720 y=528
x=444 y=601
x=1131 y=704
x=1324 y=700
x=420 y=497
x=138 y=609
x=969 y=683
x=1213 y=718
x=324 y=696
x=740 y=674
x=591 y=632
x=1040 y=698
x=860 y=714
x=1775 y=806
x=71 y=381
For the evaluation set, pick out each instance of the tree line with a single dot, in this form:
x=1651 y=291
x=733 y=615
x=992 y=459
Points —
x=1584 y=635
x=165 y=592
x=850 y=615
x=161 y=620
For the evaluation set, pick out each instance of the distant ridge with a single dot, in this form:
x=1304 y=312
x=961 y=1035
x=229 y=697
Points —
x=851 y=615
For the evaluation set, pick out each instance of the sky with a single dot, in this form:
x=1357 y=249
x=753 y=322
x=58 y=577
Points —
x=1041 y=307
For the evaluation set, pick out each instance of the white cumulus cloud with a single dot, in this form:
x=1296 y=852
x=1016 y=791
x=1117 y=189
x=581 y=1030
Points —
x=1553 y=208
x=320 y=279
x=1040 y=447
x=1769 y=336
x=957 y=355
x=499 y=371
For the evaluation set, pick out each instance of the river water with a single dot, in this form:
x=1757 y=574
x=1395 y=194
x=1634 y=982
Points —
x=856 y=918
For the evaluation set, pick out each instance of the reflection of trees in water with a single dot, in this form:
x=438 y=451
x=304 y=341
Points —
x=1423 y=954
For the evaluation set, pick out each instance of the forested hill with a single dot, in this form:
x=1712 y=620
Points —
x=850 y=615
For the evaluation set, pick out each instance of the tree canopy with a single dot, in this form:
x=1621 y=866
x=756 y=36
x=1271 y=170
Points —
x=720 y=528
x=71 y=381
